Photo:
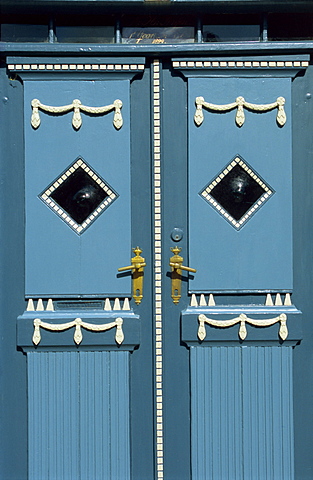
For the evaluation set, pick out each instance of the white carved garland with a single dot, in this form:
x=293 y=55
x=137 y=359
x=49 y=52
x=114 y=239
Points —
x=77 y=106
x=243 y=319
x=240 y=104
x=78 y=323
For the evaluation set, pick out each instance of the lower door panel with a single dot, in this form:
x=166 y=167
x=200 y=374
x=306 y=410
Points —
x=78 y=415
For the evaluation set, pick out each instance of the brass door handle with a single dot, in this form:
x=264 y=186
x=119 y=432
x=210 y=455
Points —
x=137 y=267
x=176 y=264
x=182 y=267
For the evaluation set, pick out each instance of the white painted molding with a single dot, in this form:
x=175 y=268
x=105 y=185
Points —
x=78 y=107
x=240 y=103
x=72 y=67
x=249 y=64
x=78 y=323
x=117 y=305
x=243 y=319
x=193 y=301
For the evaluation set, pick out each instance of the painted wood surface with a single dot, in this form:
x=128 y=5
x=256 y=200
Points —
x=13 y=376
x=242 y=413
x=58 y=260
x=259 y=255
x=258 y=367
x=78 y=415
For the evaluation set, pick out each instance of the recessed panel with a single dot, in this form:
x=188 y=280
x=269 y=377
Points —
x=240 y=191
x=78 y=201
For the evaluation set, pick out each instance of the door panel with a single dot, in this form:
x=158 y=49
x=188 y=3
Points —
x=59 y=260
x=239 y=430
x=256 y=255
x=76 y=428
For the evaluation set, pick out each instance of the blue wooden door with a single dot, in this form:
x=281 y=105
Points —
x=83 y=211
x=227 y=352
x=240 y=241
x=195 y=380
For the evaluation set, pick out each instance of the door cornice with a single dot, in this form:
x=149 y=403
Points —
x=85 y=50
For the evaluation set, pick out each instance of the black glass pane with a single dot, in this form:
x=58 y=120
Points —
x=79 y=195
x=230 y=33
x=237 y=192
x=84 y=34
x=14 y=32
x=287 y=26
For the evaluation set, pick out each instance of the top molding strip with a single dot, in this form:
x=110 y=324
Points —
x=40 y=53
x=71 y=67
x=133 y=51
x=240 y=64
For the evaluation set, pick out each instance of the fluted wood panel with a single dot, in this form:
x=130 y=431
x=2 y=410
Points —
x=268 y=413
x=78 y=415
x=216 y=413
x=241 y=410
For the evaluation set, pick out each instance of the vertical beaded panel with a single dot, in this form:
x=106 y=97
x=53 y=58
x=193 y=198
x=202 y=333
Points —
x=241 y=409
x=78 y=415
x=268 y=413
x=216 y=436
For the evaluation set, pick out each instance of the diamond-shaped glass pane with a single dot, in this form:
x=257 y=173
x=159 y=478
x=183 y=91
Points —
x=79 y=195
x=237 y=192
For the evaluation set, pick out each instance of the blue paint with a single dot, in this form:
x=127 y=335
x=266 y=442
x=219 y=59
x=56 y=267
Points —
x=54 y=340
x=242 y=413
x=216 y=414
x=58 y=261
x=141 y=360
x=259 y=256
x=13 y=379
x=209 y=48
x=78 y=415
x=53 y=415
x=267 y=413
x=230 y=335
x=303 y=358
x=176 y=378
x=267 y=370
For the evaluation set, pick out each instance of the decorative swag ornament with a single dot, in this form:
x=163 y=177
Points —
x=243 y=319
x=78 y=324
x=240 y=104
x=77 y=106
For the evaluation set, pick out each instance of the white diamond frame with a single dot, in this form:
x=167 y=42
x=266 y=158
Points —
x=78 y=228
x=205 y=193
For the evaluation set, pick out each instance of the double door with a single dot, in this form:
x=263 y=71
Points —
x=190 y=160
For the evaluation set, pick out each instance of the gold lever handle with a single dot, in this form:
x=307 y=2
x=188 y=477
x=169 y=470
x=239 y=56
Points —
x=137 y=266
x=182 y=267
x=176 y=264
x=131 y=267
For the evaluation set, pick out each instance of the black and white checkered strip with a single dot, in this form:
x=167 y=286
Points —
x=242 y=64
x=79 y=67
